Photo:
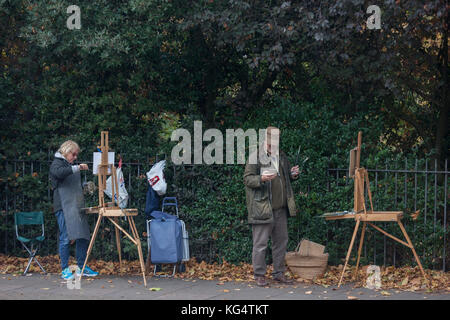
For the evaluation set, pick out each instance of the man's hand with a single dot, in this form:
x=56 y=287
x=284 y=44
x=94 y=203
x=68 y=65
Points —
x=84 y=166
x=295 y=172
x=265 y=177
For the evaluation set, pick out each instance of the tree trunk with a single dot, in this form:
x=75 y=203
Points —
x=442 y=127
x=249 y=98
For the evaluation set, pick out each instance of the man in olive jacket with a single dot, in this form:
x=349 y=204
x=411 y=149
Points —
x=269 y=202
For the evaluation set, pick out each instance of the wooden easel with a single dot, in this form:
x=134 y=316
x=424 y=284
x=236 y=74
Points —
x=111 y=210
x=361 y=214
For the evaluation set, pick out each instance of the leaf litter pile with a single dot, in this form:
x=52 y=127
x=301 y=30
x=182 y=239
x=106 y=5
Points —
x=404 y=278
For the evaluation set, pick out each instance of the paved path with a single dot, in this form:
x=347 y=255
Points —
x=38 y=286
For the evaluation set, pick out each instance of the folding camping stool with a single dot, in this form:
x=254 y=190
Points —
x=30 y=218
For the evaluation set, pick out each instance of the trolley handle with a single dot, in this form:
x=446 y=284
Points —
x=170 y=201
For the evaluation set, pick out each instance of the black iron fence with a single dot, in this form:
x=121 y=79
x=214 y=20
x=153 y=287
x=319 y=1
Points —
x=24 y=186
x=408 y=187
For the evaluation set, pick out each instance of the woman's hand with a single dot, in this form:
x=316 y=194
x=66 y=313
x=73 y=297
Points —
x=83 y=166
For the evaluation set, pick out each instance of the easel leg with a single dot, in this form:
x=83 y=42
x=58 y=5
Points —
x=349 y=251
x=91 y=244
x=147 y=262
x=119 y=251
x=412 y=248
x=141 y=259
x=361 y=241
x=138 y=244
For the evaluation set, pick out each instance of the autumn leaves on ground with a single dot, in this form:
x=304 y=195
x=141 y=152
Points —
x=405 y=278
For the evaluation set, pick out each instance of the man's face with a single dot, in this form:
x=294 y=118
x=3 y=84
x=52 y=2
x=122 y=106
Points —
x=72 y=156
x=273 y=142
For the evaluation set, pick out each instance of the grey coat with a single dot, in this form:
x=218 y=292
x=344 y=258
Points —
x=68 y=196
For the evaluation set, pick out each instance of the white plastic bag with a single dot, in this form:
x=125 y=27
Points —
x=156 y=179
x=123 y=194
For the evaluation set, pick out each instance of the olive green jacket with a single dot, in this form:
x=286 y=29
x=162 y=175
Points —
x=259 y=195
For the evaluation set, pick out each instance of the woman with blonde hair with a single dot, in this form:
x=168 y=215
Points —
x=68 y=200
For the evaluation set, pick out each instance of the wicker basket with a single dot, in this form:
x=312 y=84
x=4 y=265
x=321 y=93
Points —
x=306 y=266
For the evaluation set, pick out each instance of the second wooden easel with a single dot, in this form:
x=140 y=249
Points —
x=111 y=210
x=362 y=214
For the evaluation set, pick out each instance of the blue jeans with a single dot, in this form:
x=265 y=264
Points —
x=64 y=244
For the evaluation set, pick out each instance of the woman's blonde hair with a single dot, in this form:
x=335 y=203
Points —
x=68 y=147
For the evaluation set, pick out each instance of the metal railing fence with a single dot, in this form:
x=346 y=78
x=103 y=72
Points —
x=407 y=187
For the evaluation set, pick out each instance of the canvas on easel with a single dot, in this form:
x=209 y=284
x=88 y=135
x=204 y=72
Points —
x=367 y=215
x=97 y=160
x=111 y=210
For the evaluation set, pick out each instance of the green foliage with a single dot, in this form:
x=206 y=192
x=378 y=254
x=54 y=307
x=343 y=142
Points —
x=133 y=61
x=212 y=198
x=141 y=68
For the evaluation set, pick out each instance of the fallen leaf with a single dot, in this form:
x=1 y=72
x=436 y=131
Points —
x=393 y=277
x=226 y=290
x=308 y=292
x=45 y=288
x=352 y=298
x=405 y=281
x=385 y=293
x=155 y=289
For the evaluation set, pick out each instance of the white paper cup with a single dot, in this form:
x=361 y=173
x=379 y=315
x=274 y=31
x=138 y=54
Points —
x=269 y=172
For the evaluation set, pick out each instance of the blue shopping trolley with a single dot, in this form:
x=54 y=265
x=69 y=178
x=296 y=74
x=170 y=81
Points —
x=167 y=237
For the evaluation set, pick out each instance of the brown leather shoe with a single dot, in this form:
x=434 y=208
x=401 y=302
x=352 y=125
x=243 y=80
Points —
x=282 y=279
x=261 y=281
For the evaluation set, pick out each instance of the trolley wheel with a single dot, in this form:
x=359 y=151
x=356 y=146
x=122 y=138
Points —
x=181 y=267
